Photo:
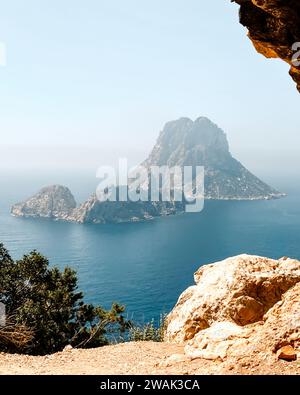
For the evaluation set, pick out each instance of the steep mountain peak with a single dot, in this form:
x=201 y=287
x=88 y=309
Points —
x=181 y=141
x=208 y=135
x=203 y=119
x=184 y=142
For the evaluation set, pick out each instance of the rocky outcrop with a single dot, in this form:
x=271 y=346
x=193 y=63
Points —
x=202 y=143
x=274 y=27
x=241 y=306
x=55 y=202
x=94 y=211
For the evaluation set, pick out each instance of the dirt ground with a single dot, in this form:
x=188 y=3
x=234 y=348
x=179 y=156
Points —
x=138 y=358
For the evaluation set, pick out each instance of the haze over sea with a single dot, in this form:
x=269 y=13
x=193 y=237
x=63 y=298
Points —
x=147 y=265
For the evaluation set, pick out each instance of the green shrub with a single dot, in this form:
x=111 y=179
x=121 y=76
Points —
x=148 y=331
x=45 y=302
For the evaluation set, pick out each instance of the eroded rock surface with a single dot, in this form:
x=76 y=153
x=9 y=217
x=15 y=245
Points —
x=244 y=305
x=274 y=27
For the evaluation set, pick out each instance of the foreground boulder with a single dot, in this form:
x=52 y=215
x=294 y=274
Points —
x=242 y=305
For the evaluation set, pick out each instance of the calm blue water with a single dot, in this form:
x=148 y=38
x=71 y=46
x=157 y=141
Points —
x=147 y=265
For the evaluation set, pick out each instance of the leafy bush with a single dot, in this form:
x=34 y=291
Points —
x=148 y=331
x=45 y=310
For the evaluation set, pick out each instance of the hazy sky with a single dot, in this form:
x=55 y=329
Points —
x=90 y=80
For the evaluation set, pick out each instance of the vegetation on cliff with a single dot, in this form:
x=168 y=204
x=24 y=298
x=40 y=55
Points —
x=44 y=310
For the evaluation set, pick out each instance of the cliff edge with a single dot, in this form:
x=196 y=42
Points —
x=241 y=317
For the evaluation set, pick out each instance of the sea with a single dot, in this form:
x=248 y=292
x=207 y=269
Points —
x=145 y=266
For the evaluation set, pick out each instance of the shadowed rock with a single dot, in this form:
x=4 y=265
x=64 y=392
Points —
x=274 y=26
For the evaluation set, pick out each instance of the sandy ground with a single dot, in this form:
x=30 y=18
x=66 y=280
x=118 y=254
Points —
x=137 y=358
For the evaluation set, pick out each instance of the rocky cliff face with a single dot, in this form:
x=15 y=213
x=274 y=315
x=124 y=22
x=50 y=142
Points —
x=55 y=202
x=274 y=26
x=246 y=305
x=202 y=143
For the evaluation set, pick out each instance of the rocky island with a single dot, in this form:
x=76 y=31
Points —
x=203 y=143
x=181 y=143
x=53 y=202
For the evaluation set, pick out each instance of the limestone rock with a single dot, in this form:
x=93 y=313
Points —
x=213 y=343
x=282 y=322
x=68 y=348
x=242 y=290
x=244 y=310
